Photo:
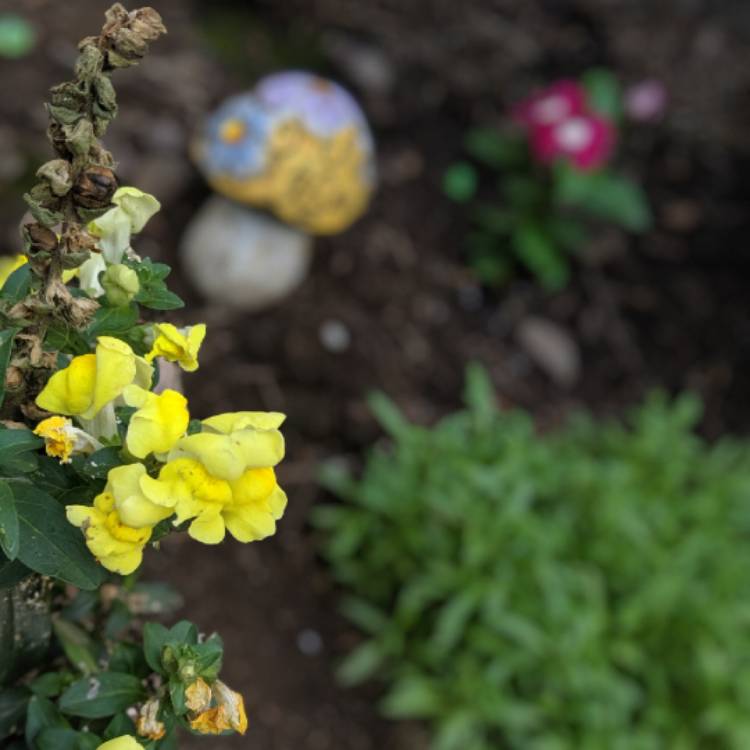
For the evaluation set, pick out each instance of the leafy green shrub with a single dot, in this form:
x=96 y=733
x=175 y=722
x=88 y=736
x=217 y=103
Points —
x=587 y=589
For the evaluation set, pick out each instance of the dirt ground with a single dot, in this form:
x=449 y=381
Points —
x=668 y=309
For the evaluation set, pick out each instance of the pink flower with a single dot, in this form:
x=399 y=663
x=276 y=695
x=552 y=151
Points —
x=646 y=101
x=585 y=139
x=554 y=104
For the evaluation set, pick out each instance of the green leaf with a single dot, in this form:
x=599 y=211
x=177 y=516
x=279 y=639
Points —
x=102 y=695
x=112 y=321
x=7 y=335
x=99 y=463
x=411 y=698
x=13 y=702
x=9 y=529
x=361 y=664
x=460 y=182
x=42 y=714
x=387 y=413
x=17 y=449
x=77 y=645
x=120 y=724
x=604 y=92
x=495 y=148
x=153 y=292
x=49 y=684
x=17 y=285
x=49 y=544
x=479 y=392
x=64 y=338
x=603 y=195
x=537 y=252
x=58 y=738
x=11 y=572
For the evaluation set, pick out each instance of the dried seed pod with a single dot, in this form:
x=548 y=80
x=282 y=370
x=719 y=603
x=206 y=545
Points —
x=39 y=239
x=57 y=174
x=95 y=187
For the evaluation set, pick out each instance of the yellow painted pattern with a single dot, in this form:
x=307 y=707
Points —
x=317 y=184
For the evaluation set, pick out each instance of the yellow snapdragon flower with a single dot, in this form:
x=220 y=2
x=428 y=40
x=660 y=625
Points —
x=229 y=712
x=160 y=421
x=118 y=547
x=8 y=264
x=124 y=742
x=136 y=502
x=91 y=381
x=223 y=481
x=179 y=345
x=62 y=440
x=133 y=208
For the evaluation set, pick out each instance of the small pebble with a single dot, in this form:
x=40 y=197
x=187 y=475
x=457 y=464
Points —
x=309 y=642
x=334 y=336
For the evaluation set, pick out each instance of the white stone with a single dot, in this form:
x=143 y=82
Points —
x=241 y=258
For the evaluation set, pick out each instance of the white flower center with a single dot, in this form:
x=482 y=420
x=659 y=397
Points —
x=551 y=109
x=574 y=134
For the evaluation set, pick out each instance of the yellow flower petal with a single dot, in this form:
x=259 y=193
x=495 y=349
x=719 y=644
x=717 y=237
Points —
x=135 y=509
x=178 y=345
x=161 y=420
x=70 y=391
x=208 y=528
x=239 y=420
x=212 y=721
x=124 y=742
x=118 y=547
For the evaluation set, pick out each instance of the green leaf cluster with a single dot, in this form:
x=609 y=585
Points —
x=584 y=588
x=98 y=673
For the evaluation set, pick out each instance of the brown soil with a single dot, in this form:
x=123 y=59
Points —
x=668 y=309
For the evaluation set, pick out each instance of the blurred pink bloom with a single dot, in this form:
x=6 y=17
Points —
x=646 y=101
x=585 y=139
x=557 y=102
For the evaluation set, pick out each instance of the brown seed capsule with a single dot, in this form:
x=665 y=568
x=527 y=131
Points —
x=40 y=239
x=95 y=187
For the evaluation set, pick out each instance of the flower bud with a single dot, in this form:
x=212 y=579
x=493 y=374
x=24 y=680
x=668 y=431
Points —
x=95 y=187
x=120 y=283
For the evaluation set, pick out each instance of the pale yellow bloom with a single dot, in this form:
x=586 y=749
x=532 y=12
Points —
x=161 y=420
x=136 y=503
x=133 y=208
x=125 y=742
x=91 y=381
x=62 y=440
x=8 y=264
x=118 y=547
x=179 y=345
x=148 y=724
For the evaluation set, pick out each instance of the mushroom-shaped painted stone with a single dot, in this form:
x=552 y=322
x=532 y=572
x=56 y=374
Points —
x=240 y=258
x=298 y=145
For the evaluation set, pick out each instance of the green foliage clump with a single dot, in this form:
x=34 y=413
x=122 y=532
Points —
x=587 y=588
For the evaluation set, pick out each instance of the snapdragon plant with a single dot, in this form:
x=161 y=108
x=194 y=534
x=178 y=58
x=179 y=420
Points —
x=97 y=462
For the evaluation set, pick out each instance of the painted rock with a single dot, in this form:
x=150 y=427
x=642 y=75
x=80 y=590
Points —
x=298 y=145
x=241 y=258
